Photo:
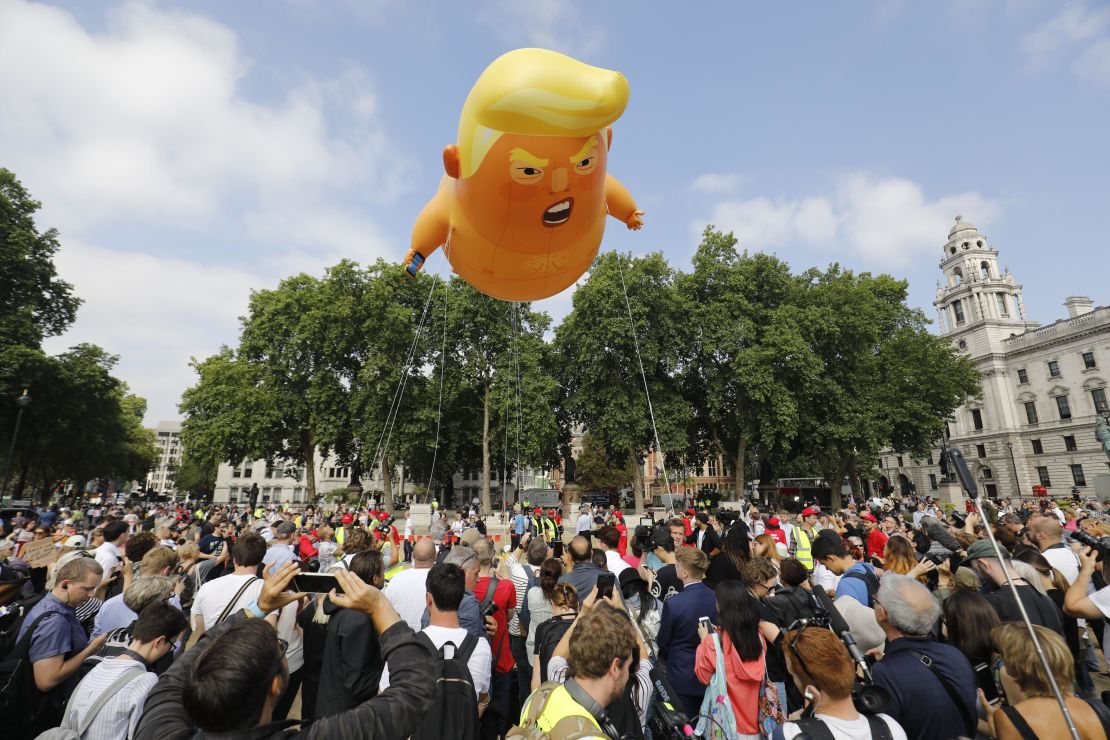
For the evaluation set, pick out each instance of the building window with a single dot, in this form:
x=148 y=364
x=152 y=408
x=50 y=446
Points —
x=958 y=310
x=1069 y=443
x=1038 y=448
x=981 y=451
x=1042 y=473
x=899 y=461
x=1002 y=310
x=233 y=494
x=298 y=495
x=977 y=418
x=1023 y=377
x=1098 y=395
x=247 y=470
x=992 y=490
x=712 y=467
x=1031 y=411
x=1063 y=407
x=988 y=474
x=933 y=481
x=1089 y=361
x=1053 y=369
x=985 y=270
x=235 y=472
x=930 y=460
x=1077 y=475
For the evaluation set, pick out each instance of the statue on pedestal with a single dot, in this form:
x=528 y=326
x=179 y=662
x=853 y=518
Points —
x=1102 y=433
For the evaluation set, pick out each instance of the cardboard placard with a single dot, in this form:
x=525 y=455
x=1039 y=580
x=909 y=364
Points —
x=40 y=554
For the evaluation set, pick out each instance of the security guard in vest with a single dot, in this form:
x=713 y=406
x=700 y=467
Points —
x=802 y=537
x=602 y=667
x=541 y=525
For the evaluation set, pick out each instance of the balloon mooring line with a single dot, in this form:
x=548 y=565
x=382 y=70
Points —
x=643 y=375
x=442 y=367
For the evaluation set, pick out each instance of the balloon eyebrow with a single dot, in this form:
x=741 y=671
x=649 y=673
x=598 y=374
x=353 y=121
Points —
x=591 y=144
x=522 y=155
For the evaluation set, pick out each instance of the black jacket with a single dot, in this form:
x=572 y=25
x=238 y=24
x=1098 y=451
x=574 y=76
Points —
x=352 y=667
x=396 y=712
x=711 y=541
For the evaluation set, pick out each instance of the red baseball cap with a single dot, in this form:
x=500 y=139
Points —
x=773 y=521
x=690 y=510
x=811 y=511
x=383 y=515
x=348 y=518
x=868 y=516
x=537 y=510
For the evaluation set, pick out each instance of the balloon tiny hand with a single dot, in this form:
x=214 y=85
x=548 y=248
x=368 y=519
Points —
x=635 y=222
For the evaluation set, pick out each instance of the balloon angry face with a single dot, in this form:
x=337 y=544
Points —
x=536 y=193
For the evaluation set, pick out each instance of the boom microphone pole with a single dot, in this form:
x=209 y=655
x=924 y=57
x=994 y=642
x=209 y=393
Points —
x=968 y=483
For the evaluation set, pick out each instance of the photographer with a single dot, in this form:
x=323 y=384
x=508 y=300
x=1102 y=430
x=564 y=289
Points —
x=1076 y=601
x=823 y=671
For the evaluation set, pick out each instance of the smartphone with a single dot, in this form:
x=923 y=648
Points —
x=605 y=583
x=557 y=549
x=984 y=676
x=704 y=622
x=316 y=583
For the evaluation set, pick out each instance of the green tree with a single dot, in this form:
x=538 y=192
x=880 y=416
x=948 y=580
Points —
x=34 y=302
x=598 y=366
x=886 y=380
x=196 y=475
x=746 y=359
x=593 y=470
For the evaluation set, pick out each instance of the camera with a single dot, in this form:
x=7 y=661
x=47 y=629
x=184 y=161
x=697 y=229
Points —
x=1101 y=545
x=489 y=609
x=958 y=519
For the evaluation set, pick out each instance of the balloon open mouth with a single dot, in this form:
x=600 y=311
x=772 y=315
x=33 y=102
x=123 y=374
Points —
x=558 y=214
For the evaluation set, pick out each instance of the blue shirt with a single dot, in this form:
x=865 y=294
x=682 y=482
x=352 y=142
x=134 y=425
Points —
x=277 y=556
x=855 y=587
x=918 y=701
x=519 y=522
x=57 y=635
x=114 y=614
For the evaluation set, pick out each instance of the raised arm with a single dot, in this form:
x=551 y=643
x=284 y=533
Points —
x=621 y=204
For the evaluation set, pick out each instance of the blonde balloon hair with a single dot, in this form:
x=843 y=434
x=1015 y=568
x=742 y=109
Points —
x=537 y=92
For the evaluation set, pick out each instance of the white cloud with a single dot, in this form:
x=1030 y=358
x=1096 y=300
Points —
x=155 y=313
x=887 y=222
x=716 y=182
x=147 y=121
x=1076 y=29
x=551 y=24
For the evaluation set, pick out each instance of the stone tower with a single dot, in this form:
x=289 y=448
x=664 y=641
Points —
x=978 y=304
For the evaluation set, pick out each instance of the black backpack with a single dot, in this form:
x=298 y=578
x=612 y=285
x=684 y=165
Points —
x=13 y=620
x=548 y=636
x=19 y=699
x=455 y=711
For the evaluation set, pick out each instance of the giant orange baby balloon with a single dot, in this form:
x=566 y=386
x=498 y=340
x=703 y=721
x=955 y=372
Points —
x=522 y=207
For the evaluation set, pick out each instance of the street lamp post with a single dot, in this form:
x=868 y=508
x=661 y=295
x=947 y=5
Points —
x=22 y=403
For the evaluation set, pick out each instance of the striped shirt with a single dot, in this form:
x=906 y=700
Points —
x=119 y=717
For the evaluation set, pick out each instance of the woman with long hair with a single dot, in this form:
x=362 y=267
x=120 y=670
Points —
x=899 y=557
x=1055 y=587
x=539 y=601
x=564 y=609
x=744 y=654
x=968 y=619
x=765 y=546
x=735 y=551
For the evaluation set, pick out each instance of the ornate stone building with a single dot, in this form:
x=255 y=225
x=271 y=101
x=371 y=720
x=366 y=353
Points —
x=1042 y=385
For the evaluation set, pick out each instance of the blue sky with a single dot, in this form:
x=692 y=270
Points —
x=191 y=152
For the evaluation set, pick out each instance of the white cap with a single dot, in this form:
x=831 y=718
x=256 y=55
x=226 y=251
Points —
x=76 y=541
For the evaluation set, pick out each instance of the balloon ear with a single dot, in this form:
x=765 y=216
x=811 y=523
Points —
x=608 y=138
x=451 y=161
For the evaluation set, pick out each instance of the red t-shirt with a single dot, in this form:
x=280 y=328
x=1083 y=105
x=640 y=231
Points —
x=505 y=598
x=876 y=543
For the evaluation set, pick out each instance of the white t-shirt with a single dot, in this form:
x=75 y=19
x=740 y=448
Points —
x=1063 y=560
x=843 y=729
x=407 y=592
x=108 y=555
x=213 y=597
x=480 y=663
x=614 y=563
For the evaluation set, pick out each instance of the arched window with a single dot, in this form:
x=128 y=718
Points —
x=959 y=273
x=984 y=270
x=979 y=244
x=966 y=245
x=952 y=250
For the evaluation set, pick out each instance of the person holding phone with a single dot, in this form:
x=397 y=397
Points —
x=678 y=629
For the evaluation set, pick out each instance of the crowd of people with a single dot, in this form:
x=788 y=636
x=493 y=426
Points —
x=890 y=618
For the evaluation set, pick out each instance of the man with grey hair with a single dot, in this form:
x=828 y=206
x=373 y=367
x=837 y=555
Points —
x=470 y=615
x=932 y=685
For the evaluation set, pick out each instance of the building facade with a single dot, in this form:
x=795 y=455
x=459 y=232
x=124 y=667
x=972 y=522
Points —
x=286 y=484
x=160 y=478
x=1043 y=386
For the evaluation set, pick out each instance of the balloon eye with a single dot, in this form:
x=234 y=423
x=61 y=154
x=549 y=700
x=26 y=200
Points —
x=531 y=171
x=585 y=162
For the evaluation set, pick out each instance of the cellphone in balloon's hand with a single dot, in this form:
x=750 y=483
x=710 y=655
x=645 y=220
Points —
x=605 y=583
